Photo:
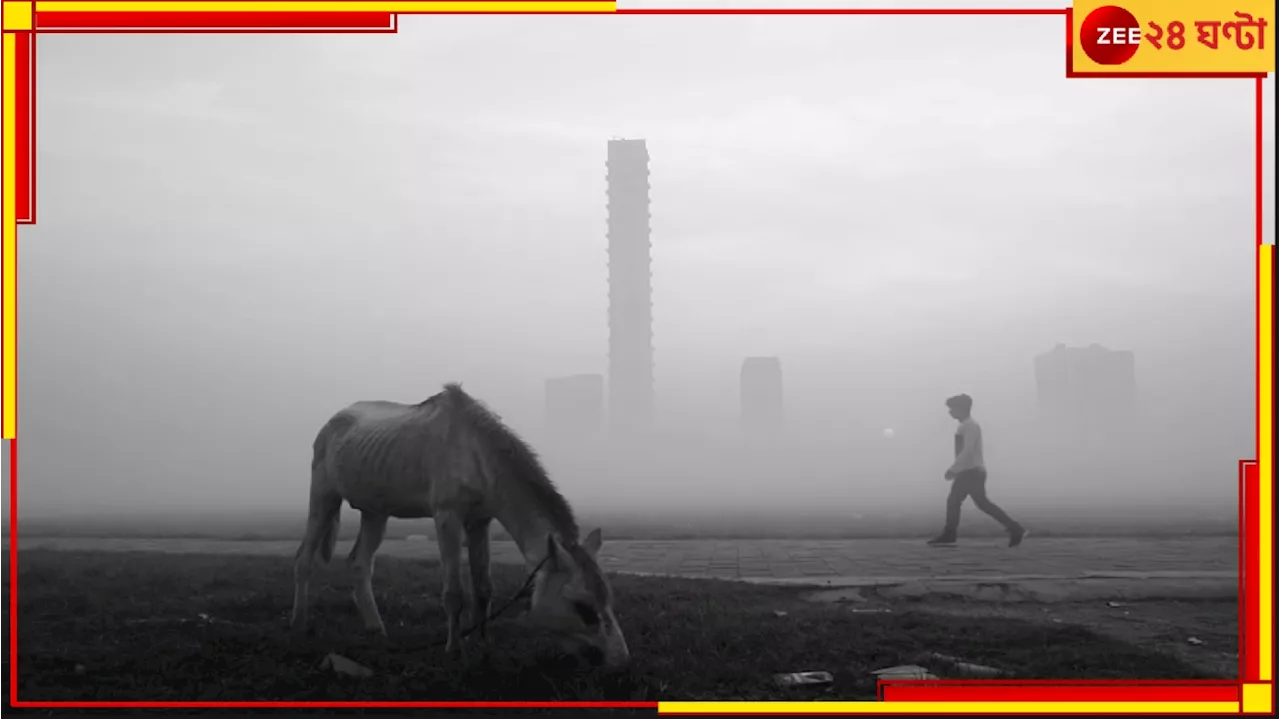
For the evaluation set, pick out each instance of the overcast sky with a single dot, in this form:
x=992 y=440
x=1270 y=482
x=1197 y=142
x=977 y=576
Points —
x=240 y=235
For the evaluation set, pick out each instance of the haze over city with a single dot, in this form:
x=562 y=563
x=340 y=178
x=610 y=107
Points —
x=240 y=235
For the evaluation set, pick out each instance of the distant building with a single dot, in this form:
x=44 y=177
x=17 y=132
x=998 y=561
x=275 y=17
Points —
x=760 y=390
x=575 y=404
x=1086 y=386
x=630 y=286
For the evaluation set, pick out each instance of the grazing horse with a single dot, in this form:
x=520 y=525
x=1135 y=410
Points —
x=452 y=459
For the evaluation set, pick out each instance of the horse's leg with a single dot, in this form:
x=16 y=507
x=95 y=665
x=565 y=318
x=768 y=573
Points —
x=481 y=582
x=372 y=529
x=321 y=534
x=449 y=539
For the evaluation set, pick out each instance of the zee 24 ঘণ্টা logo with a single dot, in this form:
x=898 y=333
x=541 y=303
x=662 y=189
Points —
x=1111 y=35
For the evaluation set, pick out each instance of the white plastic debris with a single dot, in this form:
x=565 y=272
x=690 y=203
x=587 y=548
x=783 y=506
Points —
x=341 y=665
x=959 y=667
x=797 y=679
x=1195 y=640
x=905 y=671
x=779 y=613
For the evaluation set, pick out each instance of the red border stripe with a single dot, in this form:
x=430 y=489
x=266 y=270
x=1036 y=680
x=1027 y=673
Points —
x=1259 y=131
x=1243 y=601
x=13 y=569
x=926 y=691
x=1252 y=512
x=24 y=127
x=841 y=11
x=329 y=705
x=167 y=21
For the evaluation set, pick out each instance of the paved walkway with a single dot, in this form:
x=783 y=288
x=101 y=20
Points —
x=831 y=563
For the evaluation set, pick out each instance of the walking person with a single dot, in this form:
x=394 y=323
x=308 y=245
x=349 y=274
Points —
x=968 y=476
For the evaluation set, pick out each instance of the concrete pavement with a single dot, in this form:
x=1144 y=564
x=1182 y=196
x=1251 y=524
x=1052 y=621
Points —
x=978 y=568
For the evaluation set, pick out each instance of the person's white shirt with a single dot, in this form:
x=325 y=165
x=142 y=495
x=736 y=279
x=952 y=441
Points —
x=969 y=444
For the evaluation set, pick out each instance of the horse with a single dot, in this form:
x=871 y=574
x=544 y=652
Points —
x=452 y=459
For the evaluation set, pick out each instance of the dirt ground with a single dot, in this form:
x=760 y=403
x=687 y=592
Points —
x=181 y=627
x=1202 y=633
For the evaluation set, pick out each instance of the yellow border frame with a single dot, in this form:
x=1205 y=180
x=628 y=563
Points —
x=875 y=707
x=9 y=229
x=1266 y=461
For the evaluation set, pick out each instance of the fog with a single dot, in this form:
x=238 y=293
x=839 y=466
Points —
x=240 y=235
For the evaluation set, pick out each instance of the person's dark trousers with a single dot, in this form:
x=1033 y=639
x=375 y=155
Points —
x=973 y=483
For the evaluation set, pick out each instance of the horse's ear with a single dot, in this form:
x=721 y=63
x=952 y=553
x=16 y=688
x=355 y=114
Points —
x=556 y=555
x=593 y=541
x=553 y=552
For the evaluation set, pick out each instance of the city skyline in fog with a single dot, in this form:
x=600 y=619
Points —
x=240 y=240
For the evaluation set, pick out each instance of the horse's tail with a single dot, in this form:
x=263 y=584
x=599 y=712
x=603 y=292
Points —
x=325 y=511
x=323 y=517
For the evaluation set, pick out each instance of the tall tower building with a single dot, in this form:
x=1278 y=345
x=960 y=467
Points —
x=630 y=286
x=760 y=390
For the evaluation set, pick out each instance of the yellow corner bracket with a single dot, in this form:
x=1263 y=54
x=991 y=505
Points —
x=1255 y=698
x=18 y=15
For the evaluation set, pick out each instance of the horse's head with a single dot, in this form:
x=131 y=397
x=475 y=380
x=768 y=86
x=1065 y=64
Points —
x=572 y=595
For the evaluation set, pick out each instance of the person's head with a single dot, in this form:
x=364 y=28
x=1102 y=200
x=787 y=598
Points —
x=960 y=406
x=572 y=596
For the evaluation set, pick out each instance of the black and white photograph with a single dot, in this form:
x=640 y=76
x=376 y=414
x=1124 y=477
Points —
x=629 y=358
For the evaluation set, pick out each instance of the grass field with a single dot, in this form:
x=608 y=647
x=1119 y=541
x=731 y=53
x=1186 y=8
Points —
x=117 y=626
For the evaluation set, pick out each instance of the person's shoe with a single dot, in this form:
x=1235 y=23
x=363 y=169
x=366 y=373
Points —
x=1016 y=536
x=942 y=540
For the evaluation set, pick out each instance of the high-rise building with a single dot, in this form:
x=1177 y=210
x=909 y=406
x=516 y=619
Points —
x=575 y=403
x=1086 y=386
x=630 y=286
x=760 y=390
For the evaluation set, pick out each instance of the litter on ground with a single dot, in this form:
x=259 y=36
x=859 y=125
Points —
x=905 y=671
x=957 y=667
x=796 y=679
x=341 y=665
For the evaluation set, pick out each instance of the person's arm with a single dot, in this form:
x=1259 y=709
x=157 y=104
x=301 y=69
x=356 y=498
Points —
x=968 y=441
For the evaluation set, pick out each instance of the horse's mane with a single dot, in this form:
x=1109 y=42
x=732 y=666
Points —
x=519 y=461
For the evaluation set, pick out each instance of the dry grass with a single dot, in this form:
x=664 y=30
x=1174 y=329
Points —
x=124 y=626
